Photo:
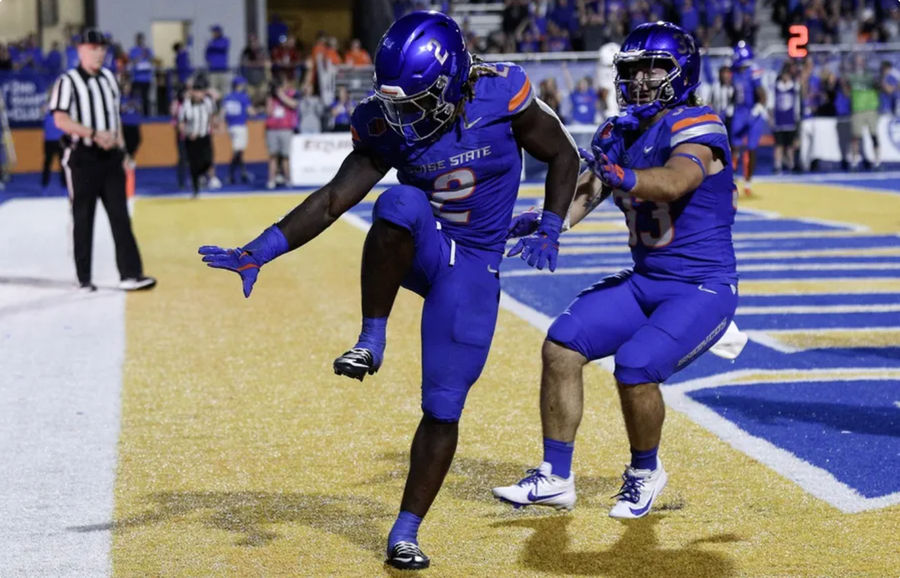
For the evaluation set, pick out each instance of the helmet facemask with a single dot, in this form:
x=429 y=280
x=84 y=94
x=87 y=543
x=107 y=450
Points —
x=646 y=78
x=419 y=116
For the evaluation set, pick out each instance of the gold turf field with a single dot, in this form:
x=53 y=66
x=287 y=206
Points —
x=241 y=454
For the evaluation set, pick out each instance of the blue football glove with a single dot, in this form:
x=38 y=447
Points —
x=524 y=224
x=541 y=248
x=246 y=260
x=616 y=176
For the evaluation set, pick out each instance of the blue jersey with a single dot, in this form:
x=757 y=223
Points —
x=688 y=239
x=471 y=172
x=584 y=106
x=746 y=81
x=235 y=106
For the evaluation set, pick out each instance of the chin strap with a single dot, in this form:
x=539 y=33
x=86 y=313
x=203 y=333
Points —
x=633 y=114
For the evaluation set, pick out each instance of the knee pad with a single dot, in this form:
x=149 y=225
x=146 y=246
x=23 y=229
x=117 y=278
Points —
x=443 y=405
x=402 y=205
x=566 y=330
x=637 y=363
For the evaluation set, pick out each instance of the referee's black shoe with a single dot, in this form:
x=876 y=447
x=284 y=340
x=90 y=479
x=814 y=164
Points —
x=407 y=556
x=141 y=283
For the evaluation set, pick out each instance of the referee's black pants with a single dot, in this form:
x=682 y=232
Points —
x=92 y=175
x=200 y=158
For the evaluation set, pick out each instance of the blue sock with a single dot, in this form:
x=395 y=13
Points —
x=372 y=337
x=645 y=460
x=559 y=456
x=405 y=529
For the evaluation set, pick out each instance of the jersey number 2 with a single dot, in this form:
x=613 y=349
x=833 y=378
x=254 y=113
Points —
x=443 y=194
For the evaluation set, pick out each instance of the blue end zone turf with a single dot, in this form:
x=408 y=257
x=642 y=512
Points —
x=849 y=428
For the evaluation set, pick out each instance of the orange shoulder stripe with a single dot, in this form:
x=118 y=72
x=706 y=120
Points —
x=682 y=124
x=520 y=96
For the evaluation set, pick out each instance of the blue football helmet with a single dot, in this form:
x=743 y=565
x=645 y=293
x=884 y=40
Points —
x=743 y=54
x=421 y=67
x=656 y=45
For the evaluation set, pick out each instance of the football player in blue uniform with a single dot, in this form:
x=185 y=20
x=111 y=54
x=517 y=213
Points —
x=454 y=129
x=666 y=162
x=749 y=121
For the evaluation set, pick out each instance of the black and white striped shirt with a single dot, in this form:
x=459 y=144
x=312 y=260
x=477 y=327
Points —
x=197 y=116
x=93 y=101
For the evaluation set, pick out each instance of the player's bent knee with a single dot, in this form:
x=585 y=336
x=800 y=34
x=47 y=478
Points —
x=402 y=205
x=567 y=332
x=443 y=406
x=636 y=364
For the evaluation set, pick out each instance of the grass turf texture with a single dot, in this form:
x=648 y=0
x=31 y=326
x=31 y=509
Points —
x=242 y=454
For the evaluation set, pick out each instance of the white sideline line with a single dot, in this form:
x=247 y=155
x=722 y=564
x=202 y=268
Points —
x=817 y=481
x=815 y=309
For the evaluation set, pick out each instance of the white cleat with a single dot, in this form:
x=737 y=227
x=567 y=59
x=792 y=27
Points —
x=639 y=490
x=540 y=488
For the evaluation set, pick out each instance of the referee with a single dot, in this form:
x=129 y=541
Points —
x=85 y=103
x=196 y=119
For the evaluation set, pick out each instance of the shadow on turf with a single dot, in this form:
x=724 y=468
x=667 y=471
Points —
x=359 y=520
x=472 y=479
x=636 y=552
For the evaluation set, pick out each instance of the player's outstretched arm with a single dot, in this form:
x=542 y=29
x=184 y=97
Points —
x=539 y=131
x=356 y=177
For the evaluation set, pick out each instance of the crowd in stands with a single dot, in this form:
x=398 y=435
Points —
x=841 y=21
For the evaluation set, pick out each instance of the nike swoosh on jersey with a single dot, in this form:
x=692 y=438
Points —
x=468 y=125
x=705 y=290
x=647 y=149
x=534 y=498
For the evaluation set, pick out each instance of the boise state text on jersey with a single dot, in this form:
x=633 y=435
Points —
x=689 y=238
x=470 y=172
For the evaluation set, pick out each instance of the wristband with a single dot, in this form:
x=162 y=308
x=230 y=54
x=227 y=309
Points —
x=270 y=244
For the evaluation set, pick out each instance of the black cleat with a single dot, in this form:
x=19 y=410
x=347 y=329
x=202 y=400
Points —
x=355 y=363
x=407 y=556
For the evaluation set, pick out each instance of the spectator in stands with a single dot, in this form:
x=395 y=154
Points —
x=689 y=17
x=722 y=96
x=141 y=61
x=286 y=58
x=514 y=14
x=786 y=118
x=549 y=94
x=839 y=88
x=281 y=119
x=584 y=102
x=181 y=166
x=131 y=110
x=864 y=103
x=237 y=108
x=564 y=16
x=6 y=62
x=811 y=98
x=311 y=111
x=52 y=149
x=592 y=24
x=357 y=55
x=72 y=52
x=887 y=96
x=557 y=39
x=277 y=31
x=217 y=60
x=183 y=68
x=53 y=60
x=341 y=110
x=113 y=54
x=254 y=63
